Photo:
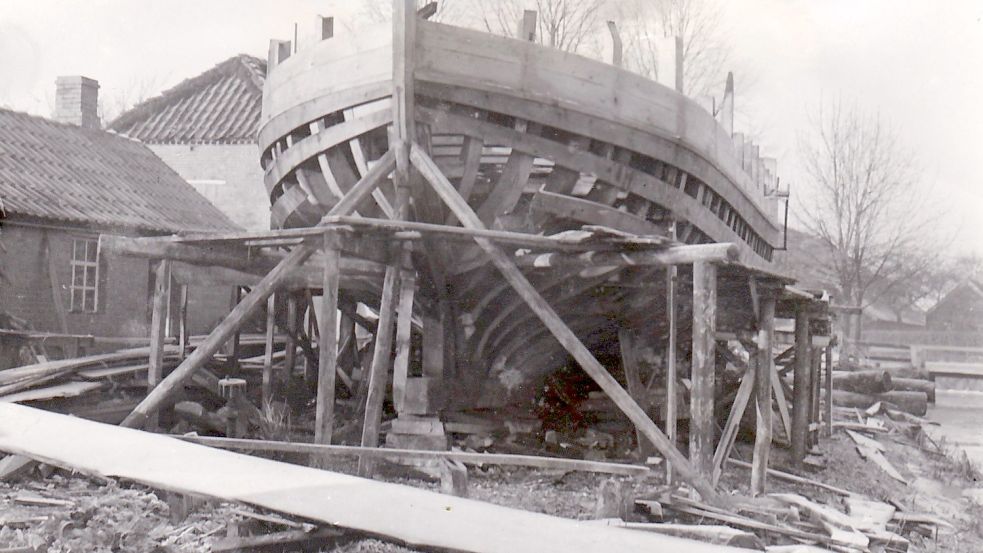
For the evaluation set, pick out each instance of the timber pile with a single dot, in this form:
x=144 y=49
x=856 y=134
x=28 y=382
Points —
x=864 y=387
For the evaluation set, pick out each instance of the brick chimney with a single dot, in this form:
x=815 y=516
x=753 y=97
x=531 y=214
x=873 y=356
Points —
x=76 y=101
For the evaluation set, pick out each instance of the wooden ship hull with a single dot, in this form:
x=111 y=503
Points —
x=537 y=141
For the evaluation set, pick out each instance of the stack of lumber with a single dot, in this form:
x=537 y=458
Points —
x=73 y=377
x=865 y=387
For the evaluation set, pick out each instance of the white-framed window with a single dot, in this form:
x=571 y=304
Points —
x=85 y=275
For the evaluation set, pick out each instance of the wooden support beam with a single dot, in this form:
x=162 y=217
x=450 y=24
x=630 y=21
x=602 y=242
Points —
x=327 y=343
x=828 y=412
x=631 y=366
x=268 y=347
x=801 y=387
x=237 y=335
x=729 y=435
x=379 y=372
x=404 y=48
x=672 y=255
x=162 y=293
x=404 y=327
x=815 y=374
x=182 y=326
x=765 y=370
x=290 y=357
x=671 y=378
x=701 y=426
x=559 y=329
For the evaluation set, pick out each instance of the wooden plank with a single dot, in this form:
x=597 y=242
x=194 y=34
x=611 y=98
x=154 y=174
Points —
x=468 y=458
x=801 y=387
x=729 y=434
x=704 y=367
x=418 y=518
x=556 y=326
x=182 y=326
x=511 y=183
x=828 y=413
x=765 y=370
x=162 y=294
x=779 y=392
x=327 y=343
x=277 y=539
x=404 y=38
x=68 y=389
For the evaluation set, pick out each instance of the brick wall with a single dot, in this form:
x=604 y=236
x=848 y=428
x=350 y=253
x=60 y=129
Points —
x=229 y=175
x=124 y=288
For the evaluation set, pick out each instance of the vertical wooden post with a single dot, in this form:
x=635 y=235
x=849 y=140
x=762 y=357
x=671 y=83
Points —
x=762 y=436
x=268 y=347
x=404 y=327
x=527 y=26
x=158 y=327
x=671 y=392
x=182 y=326
x=829 y=389
x=290 y=353
x=816 y=367
x=801 y=388
x=327 y=342
x=704 y=367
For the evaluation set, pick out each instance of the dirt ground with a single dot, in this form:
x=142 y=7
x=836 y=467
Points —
x=88 y=515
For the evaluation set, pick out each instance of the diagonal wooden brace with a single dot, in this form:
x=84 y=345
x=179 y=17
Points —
x=559 y=329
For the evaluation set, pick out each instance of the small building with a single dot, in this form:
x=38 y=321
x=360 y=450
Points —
x=205 y=129
x=961 y=310
x=65 y=183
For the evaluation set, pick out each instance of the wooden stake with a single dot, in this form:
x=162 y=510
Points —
x=558 y=328
x=327 y=342
x=268 y=347
x=801 y=387
x=404 y=326
x=671 y=393
x=704 y=367
x=155 y=373
x=616 y=46
x=765 y=368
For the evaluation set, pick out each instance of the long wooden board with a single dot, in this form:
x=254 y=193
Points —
x=409 y=515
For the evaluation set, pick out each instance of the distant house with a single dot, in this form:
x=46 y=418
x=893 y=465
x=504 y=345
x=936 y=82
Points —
x=961 y=310
x=205 y=129
x=62 y=185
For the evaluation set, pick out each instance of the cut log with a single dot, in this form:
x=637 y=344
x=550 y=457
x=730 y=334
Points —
x=914 y=385
x=863 y=382
x=915 y=403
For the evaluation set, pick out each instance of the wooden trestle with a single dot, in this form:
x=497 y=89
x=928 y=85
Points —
x=402 y=183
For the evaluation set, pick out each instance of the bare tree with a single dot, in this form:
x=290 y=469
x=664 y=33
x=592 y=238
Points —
x=569 y=25
x=697 y=22
x=864 y=204
x=118 y=99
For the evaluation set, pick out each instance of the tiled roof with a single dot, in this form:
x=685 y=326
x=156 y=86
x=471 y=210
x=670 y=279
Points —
x=62 y=172
x=220 y=106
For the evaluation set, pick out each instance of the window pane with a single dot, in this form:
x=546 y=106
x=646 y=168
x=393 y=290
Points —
x=90 y=301
x=78 y=275
x=90 y=276
x=92 y=248
x=79 y=250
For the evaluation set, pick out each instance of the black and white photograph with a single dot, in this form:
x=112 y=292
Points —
x=491 y=276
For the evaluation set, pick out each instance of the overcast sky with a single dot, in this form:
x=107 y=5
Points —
x=919 y=64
